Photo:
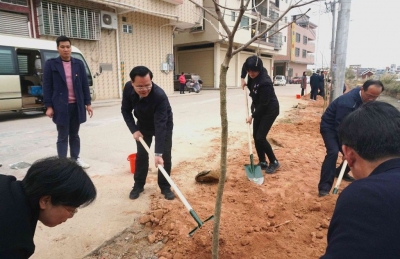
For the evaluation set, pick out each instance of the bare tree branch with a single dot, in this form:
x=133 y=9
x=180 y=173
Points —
x=221 y=19
x=270 y=27
x=238 y=10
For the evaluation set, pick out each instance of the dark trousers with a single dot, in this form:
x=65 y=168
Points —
x=321 y=90
x=261 y=127
x=328 y=168
x=69 y=132
x=302 y=91
x=314 y=92
x=182 y=88
x=142 y=161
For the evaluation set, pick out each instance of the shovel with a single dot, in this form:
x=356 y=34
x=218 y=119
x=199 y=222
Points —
x=340 y=177
x=254 y=172
x=178 y=192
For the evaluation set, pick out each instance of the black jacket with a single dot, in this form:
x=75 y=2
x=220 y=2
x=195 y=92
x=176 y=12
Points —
x=315 y=80
x=340 y=108
x=153 y=113
x=263 y=95
x=18 y=219
x=365 y=223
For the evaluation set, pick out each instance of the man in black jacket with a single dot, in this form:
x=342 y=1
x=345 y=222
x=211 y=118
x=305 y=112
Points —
x=330 y=121
x=153 y=113
x=365 y=223
x=315 y=81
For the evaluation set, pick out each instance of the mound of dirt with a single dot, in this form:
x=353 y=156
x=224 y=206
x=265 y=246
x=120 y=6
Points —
x=282 y=218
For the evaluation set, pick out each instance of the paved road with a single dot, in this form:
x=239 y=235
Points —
x=105 y=139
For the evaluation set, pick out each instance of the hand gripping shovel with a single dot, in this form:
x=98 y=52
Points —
x=178 y=192
x=340 y=177
x=254 y=172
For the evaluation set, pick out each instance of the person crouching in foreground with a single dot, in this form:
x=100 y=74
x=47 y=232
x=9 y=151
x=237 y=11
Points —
x=52 y=191
x=365 y=222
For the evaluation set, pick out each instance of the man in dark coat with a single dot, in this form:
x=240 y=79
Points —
x=330 y=121
x=315 y=80
x=153 y=113
x=365 y=223
x=66 y=96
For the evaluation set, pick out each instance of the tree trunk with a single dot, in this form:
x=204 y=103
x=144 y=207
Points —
x=224 y=149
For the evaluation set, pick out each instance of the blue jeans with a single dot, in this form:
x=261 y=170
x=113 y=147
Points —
x=69 y=132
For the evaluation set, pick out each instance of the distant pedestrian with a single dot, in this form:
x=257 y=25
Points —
x=303 y=84
x=51 y=192
x=321 y=88
x=182 y=82
x=66 y=96
x=315 y=79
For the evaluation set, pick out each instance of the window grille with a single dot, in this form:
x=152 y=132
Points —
x=297 y=37
x=17 y=2
x=304 y=53
x=75 y=22
x=297 y=52
x=244 y=23
x=304 y=39
x=23 y=64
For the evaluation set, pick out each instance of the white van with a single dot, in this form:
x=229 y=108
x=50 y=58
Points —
x=21 y=63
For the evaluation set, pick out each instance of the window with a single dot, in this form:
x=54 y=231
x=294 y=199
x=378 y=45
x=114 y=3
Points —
x=304 y=39
x=127 y=28
x=297 y=52
x=7 y=64
x=244 y=23
x=75 y=22
x=23 y=64
x=17 y=2
x=284 y=38
x=297 y=37
x=233 y=16
x=304 y=53
x=285 y=19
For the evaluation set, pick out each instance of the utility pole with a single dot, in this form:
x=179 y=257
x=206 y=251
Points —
x=333 y=62
x=342 y=35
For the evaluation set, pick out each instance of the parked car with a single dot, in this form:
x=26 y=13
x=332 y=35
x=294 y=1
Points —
x=190 y=78
x=295 y=80
x=279 y=80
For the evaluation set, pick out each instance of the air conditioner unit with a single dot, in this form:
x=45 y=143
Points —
x=108 y=20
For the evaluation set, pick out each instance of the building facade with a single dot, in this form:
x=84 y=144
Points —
x=114 y=36
x=201 y=50
x=300 y=51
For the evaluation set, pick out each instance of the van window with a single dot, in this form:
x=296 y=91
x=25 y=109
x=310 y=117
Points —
x=7 y=64
x=23 y=64
x=47 y=54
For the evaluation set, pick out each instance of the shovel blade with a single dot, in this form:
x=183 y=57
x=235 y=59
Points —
x=254 y=173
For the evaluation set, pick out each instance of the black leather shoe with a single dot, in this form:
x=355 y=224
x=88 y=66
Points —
x=134 y=194
x=168 y=194
x=272 y=167
x=323 y=193
x=263 y=165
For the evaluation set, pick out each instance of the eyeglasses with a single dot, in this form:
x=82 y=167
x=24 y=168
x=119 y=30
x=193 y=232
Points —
x=147 y=87
x=71 y=210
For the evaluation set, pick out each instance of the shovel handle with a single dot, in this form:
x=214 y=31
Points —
x=340 y=177
x=178 y=192
x=248 y=124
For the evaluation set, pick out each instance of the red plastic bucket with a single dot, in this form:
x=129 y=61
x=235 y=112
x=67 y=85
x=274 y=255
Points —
x=297 y=96
x=132 y=159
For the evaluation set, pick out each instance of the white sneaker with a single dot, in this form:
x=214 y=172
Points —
x=82 y=164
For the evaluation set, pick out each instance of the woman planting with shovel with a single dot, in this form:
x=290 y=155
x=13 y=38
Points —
x=264 y=108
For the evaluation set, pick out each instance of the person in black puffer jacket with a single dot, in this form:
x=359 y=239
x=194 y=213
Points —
x=264 y=108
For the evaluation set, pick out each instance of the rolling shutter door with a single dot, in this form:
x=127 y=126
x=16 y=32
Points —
x=267 y=64
x=198 y=62
x=14 y=24
x=231 y=77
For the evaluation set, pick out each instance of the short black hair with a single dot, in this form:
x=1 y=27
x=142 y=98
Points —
x=373 y=131
x=62 y=38
x=372 y=82
x=60 y=178
x=141 y=71
x=253 y=63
